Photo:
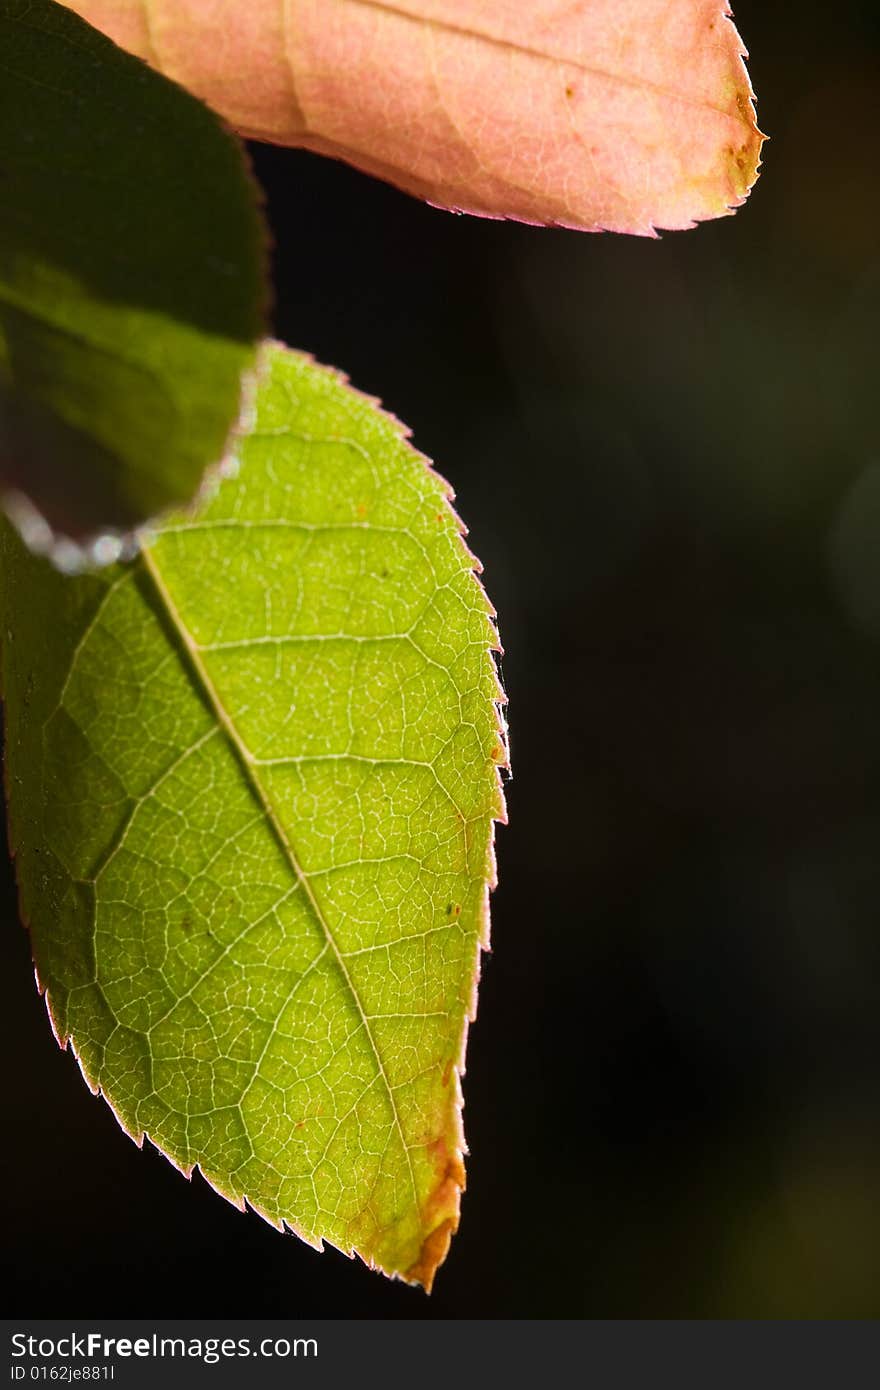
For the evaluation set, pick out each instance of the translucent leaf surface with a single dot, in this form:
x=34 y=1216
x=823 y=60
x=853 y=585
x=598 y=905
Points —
x=131 y=277
x=623 y=115
x=252 y=777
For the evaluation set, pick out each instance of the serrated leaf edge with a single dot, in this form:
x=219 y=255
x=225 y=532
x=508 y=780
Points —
x=446 y=1195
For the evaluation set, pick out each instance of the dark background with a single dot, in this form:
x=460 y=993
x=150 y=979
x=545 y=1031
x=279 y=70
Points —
x=668 y=454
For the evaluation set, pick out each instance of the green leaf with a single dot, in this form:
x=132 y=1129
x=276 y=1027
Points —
x=252 y=778
x=131 y=277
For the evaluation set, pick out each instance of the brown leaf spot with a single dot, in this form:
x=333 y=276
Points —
x=739 y=157
x=451 y=1179
x=444 y=1198
x=432 y=1254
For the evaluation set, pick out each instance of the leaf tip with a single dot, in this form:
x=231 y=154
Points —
x=444 y=1202
x=743 y=155
x=434 y=1250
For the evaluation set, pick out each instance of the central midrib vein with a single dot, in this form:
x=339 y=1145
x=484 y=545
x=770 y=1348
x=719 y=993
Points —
x=450 y=26
x=221 y=714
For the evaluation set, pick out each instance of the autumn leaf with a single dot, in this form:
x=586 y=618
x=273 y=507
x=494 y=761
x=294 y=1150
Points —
x=617 y=115
x=252 y=776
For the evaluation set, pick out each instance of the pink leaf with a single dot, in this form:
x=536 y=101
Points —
x=622 y=115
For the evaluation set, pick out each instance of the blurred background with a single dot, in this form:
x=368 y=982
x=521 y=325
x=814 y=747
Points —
x=668 y=455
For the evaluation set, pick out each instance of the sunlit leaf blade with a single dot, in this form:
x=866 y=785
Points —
x=252 y=777
x=617 y=115
x=131 y=277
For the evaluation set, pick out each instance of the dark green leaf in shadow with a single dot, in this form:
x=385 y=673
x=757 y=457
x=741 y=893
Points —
x=131 y=277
